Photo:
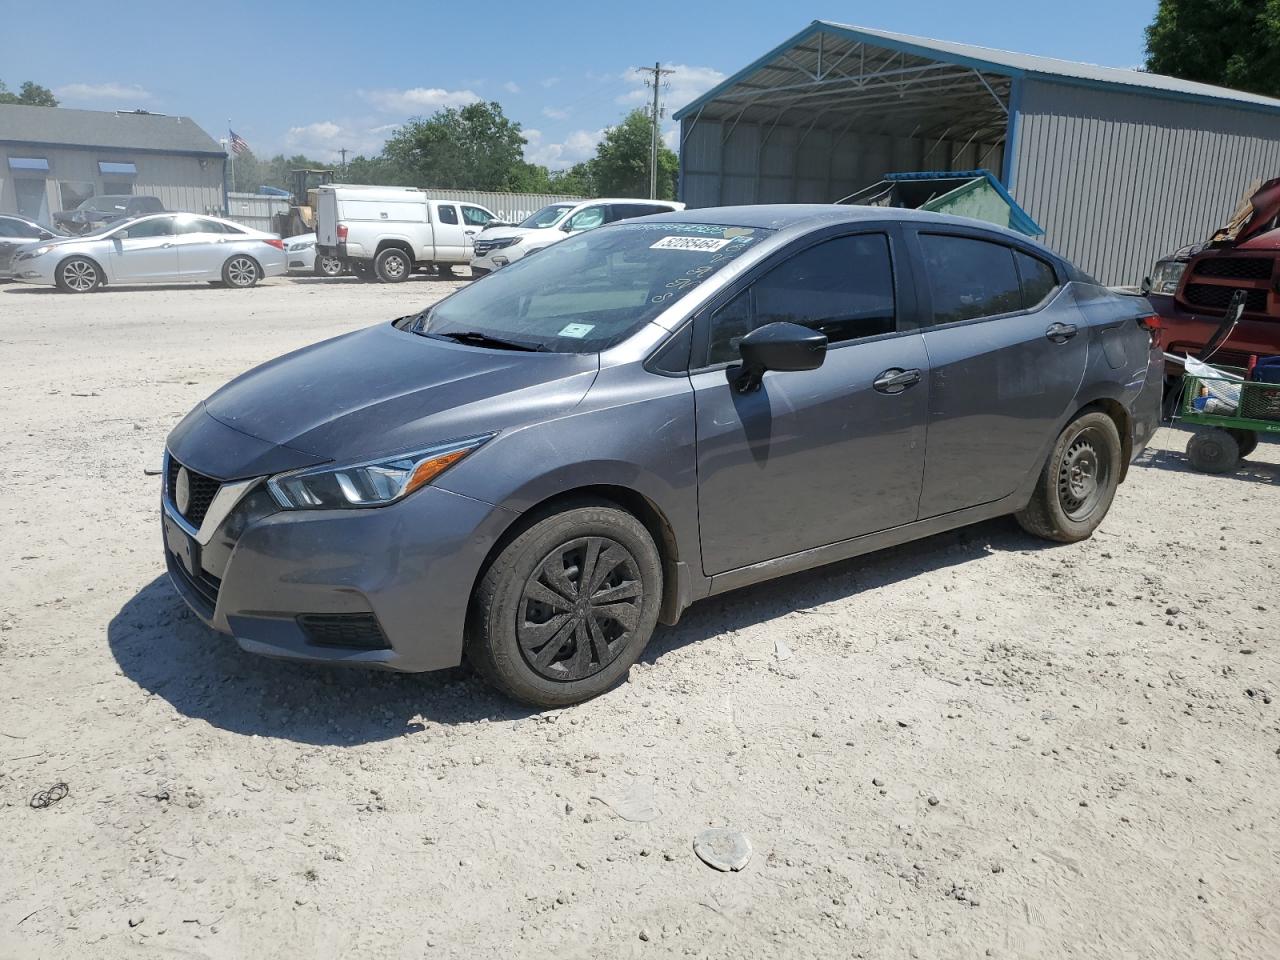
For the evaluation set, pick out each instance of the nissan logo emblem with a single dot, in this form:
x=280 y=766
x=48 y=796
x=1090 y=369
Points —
x=182 y=491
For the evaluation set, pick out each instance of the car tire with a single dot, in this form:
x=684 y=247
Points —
x=328 y=266
x=532 y=634
x=393 y=265
x=241 y=272
x=1246 y=440
x=1213 y=450
x=78 y=275
x=1078 y=481
x=445 y=271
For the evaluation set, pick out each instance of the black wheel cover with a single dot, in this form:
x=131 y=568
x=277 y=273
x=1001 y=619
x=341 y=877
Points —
x=1084 y=474
x=579 y=608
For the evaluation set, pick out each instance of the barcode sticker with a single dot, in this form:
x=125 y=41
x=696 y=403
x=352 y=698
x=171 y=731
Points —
x=696 y=244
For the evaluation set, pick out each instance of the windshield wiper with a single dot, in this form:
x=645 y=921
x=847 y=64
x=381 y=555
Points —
x=477 y=339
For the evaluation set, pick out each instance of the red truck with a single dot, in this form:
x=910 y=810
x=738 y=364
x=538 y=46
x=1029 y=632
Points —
x=1191 y=289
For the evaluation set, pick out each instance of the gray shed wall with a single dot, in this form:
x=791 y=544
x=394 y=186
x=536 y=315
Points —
x=1118 y=180
x=760 y=163
x=181 y=182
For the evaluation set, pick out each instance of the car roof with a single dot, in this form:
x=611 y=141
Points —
x=782 y=216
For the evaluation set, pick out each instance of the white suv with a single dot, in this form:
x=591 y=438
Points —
x=497 y=246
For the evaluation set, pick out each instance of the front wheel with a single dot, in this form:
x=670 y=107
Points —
x=328 y=267
x=562 y=613
x=1078 y=481
x=393 y=265
x=241 y=271
x=78 y=275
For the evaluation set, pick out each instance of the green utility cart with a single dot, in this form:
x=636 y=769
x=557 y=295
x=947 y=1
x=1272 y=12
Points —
x=1228 y=432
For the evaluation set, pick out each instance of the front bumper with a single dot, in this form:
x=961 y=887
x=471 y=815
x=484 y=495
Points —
x=1184 y=333
x=411 y=566
x=35 y=270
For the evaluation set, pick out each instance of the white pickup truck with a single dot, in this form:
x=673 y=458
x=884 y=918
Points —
x=388 y=232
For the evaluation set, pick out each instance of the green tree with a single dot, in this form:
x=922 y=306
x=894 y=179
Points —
x=577 y=181
x=620 y=167
x=474 y=147
x=1230 y=43
x=30 y=94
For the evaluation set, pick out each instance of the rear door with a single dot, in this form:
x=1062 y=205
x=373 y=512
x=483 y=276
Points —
x=202 y=248
x=452 y=242
x=825 y=455
x=145 y=251
x=1007 y=351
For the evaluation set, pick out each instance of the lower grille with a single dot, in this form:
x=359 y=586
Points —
x=202 y=491
x=359 y=631
x=205 y=586
x=1214 y=297
x=1234 y=268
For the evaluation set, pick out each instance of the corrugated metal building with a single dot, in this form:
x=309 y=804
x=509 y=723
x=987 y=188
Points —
x=52 y=158
x=1119 y=167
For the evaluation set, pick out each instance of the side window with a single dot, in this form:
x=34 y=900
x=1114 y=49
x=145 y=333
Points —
x=587 y=219
x=448 y=212
x=1039 y=280
x=157 y=227
x=968 y=278
x=9 y=228
x=842 y=287
x=475 y=217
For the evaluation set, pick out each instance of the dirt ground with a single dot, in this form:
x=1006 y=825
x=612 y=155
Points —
x=977 y=745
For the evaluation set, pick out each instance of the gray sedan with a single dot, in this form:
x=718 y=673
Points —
x=161 y=248
x=538 y=469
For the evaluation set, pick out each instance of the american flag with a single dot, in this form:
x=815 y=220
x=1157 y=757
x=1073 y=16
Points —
x=238 y=143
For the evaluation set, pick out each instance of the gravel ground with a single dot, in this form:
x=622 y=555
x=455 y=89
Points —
x=974 y=745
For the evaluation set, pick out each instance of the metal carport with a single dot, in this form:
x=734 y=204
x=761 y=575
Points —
x=1118 y=166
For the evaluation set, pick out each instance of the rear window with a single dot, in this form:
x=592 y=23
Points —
x=1039 y=280
x=970 y=279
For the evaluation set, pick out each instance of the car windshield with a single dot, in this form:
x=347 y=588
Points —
x=106 y=204
x=547 y=216
x=588 y=292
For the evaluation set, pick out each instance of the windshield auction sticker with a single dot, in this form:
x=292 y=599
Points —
x=694 y=244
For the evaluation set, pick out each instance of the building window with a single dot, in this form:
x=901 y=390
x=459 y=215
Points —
x=74 y=193
x=113 y=188
x=117 y=169
x=32 y=164
x=33 y=198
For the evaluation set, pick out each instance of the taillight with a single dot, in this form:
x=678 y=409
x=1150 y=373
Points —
x=1152 y=323
x=342 y=231
x=274 y=242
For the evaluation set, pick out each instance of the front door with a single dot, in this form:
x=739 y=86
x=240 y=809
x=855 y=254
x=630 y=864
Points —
x=451 y=240
x=474 y=219
x=145 y=251
x=811 y=458
x=1007 y=351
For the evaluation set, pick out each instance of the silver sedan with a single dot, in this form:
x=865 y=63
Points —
x=159 y=248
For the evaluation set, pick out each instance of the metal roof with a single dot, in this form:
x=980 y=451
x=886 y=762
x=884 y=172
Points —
x=61 y=127
x=828 y=58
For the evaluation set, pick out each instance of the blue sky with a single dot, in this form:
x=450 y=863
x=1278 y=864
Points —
x=314 y=77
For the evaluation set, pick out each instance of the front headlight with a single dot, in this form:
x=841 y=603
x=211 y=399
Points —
x=40 y=251
x=1165 y=277
x=371 y=484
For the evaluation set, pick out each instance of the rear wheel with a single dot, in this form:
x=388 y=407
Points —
x=393 y=265
x=1212 y=450
x=1246 y=440
x=1078 y=482
x=241 y=271
x=562 y=613
x=78 y=275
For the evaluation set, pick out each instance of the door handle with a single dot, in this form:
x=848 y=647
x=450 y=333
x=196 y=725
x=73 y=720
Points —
x=1061 y=332
x=895 y=380
x=165 y=246
x=471 y=233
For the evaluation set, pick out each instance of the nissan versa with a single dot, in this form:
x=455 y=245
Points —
x=537 y=469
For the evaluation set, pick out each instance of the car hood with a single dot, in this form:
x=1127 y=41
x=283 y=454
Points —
x=502 y=233
x=1255 y=215
x=383 y=391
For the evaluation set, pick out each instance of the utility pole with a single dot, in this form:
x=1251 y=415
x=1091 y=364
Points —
x=654 y=79
x=343 y=151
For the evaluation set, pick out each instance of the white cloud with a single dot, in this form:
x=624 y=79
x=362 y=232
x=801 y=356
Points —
x=511 y=86
x=418 y=99
x=555 y=113
x=549 y=81
x=325 y=139
x=681 y=88
x=103 y=91
x=577 y=146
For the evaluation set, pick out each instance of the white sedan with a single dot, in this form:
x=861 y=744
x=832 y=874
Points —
x=159 y=248
x=303 y=258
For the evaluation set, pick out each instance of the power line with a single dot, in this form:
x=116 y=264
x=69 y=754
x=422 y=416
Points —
x=653 y=79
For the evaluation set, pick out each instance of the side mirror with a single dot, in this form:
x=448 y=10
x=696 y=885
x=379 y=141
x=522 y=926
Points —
x=1146 y=286
x=785 y=347
x=45 y=235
